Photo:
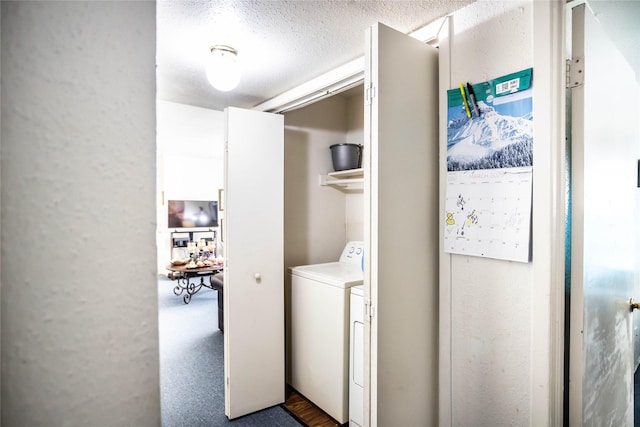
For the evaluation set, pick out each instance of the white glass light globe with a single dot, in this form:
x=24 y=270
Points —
x=223 y=71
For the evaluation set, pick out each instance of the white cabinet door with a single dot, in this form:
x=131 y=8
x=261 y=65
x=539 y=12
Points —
x=254 y=272
x=401 y=227
x=604 y=248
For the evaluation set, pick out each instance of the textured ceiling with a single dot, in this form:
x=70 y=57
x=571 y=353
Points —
x=281 y=43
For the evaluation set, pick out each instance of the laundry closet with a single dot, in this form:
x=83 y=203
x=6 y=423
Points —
x=394 y=115
x=320 y=219
x=324 y=210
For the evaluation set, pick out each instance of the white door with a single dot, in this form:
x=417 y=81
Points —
x=254 y=273
x=401 y=229
x=604 y=167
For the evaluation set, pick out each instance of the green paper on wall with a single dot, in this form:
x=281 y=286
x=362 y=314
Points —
x=486 y=91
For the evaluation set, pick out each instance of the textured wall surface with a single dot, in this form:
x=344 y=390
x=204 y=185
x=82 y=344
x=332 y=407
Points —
x=490 y=312
x=79 y=303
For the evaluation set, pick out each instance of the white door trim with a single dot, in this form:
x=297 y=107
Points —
x=547 y=296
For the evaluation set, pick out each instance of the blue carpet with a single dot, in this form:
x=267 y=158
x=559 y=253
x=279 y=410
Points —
x=192 y=366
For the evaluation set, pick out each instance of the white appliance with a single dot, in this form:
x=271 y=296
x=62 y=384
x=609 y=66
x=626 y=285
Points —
x=356 y=358
x=320 y=295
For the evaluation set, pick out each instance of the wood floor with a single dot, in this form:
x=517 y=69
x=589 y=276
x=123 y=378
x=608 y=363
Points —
x=306 y=412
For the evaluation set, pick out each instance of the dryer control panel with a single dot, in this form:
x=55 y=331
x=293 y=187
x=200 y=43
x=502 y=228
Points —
x=353 y=253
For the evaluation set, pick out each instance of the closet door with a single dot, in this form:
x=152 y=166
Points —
x=401 y=228
x=605 y=228
x=254 y=273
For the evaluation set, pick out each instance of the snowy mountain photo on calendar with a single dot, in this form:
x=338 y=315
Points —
x=502 y=137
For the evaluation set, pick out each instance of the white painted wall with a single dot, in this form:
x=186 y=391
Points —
x=317 y=222
x=190 y=162
x=498 y=328
x=79 y=299
x=354 y=209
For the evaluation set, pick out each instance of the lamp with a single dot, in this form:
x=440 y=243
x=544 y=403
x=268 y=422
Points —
x=223 y=71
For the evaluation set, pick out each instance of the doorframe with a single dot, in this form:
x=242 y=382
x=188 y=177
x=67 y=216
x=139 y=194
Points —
x=549 y=207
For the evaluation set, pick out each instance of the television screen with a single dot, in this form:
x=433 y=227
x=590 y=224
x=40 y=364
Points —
x=193 y=213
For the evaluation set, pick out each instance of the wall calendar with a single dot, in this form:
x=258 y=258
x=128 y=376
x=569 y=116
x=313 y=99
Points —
x=490 y=168
x=488 y=213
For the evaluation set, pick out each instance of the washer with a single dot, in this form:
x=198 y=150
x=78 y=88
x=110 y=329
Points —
x=320 y=296
x=356 y=358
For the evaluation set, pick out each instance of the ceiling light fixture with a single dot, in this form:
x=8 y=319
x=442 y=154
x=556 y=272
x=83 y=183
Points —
x=223 y=71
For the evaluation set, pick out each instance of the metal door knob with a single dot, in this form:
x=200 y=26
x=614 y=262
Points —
x=633 y=305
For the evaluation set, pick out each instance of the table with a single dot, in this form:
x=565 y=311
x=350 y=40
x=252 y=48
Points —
x=185 y=274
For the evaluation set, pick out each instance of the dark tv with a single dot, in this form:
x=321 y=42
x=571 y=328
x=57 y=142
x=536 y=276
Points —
x=193 y=213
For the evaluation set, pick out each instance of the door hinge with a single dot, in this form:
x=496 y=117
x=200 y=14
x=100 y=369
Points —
x=370 y=93
x=369 y=310
x=575 y=72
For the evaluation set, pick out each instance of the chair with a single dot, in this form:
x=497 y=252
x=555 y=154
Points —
x=217 y=282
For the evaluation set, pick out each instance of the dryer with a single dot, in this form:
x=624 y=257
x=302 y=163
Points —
x=320 y=309
x=356 y=358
